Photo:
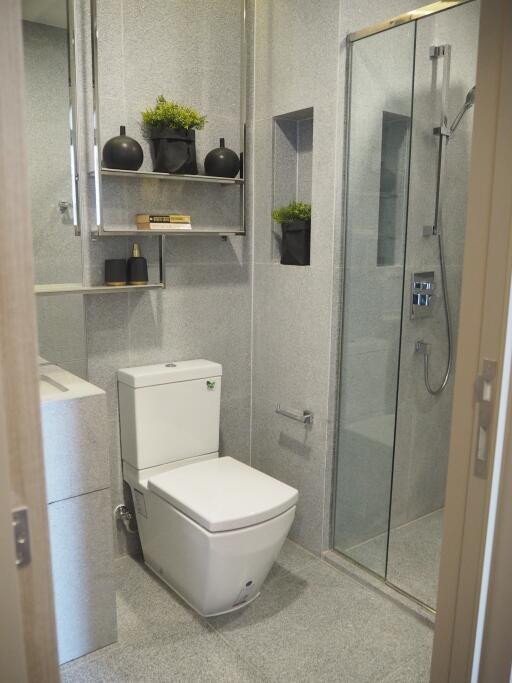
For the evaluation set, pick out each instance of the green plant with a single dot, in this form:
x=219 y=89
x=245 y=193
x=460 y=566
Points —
x=170 y=114
x=295 y=211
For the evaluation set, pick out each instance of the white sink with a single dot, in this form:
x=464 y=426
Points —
x=56 y=384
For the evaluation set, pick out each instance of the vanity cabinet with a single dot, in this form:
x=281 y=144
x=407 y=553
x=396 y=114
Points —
x=74 y=426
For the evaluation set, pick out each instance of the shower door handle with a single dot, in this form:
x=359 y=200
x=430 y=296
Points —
x=484 y=397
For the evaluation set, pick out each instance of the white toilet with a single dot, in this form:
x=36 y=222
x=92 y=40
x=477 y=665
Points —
x=210 y=527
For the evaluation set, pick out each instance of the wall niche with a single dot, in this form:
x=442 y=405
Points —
x=292 y=165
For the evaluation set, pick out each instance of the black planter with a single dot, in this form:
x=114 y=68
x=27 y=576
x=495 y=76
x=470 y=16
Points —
x=174 y=150
x=222 y=162
x=122 y=152
x=295 y=246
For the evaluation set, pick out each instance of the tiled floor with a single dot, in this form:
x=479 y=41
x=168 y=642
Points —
x=311 y=623
x=413 y=560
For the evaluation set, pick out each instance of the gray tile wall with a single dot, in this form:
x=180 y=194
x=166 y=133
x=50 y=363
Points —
x=218 y=290
x=300 y=63
x=161 y=49
x=205 y=312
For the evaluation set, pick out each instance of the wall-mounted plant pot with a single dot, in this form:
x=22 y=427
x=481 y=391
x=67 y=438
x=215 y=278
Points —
x=173 y=150
x=296 y=243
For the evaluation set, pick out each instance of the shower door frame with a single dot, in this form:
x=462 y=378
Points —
x=352 y=38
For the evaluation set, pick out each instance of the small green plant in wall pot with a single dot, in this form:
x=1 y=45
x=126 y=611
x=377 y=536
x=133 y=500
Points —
x=171 y=128
x=295 y=220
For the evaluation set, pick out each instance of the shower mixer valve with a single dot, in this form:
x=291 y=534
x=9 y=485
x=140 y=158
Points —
x=422 y=294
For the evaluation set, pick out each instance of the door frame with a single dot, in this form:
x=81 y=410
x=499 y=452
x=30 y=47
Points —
x=27 y=620
x=482 y=335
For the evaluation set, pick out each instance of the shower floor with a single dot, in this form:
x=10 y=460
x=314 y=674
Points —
x=414 y=552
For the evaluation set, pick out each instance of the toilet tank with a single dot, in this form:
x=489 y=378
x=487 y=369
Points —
x=169 y=412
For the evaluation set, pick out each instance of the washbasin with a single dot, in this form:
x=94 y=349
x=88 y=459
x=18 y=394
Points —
x=50 y=387
x=57 y=384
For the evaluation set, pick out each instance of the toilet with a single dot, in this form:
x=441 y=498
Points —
x=210 y=527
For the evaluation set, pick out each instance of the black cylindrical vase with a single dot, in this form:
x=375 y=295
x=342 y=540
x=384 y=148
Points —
x=174 y=150
x=222 y=162
x=115 y=272
x=137 y=267
x=296 y=243
x=122 y=152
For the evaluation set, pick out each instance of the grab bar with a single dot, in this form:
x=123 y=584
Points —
x=306 y=417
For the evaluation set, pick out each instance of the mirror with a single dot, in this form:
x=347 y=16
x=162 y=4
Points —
x=50 y=115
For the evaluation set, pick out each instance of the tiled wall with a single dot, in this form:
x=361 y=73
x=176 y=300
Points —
x=274 y=328
x=300 y=63
x=205 y=312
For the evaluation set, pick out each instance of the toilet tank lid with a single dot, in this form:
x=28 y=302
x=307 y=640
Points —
x=166 y=373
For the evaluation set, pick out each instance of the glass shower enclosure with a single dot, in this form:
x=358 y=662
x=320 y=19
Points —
x=409 y=109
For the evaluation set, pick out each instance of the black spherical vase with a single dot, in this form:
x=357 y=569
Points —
x=222 y=162
x=174 y=150
x=122 y=152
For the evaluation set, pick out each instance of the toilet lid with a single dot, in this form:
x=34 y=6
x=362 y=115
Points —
x=223 y=494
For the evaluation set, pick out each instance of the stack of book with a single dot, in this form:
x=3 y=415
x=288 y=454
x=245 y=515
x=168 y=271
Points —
x=168 y=221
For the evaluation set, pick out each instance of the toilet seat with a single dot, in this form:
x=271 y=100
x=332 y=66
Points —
x=223 y=494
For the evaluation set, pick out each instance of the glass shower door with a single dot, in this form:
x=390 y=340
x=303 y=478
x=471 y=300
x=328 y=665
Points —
x=380 y=112
x=423 y=421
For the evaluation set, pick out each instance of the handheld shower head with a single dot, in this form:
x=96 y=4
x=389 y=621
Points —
x=468 y=103
x=470 y=97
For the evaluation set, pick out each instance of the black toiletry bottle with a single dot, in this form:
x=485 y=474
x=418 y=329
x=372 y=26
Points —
x=137 y=267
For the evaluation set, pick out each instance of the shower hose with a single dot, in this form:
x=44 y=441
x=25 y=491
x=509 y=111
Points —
x=434 y=391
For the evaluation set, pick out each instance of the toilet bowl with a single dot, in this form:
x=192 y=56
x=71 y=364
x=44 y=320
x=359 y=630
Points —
x=211 y=527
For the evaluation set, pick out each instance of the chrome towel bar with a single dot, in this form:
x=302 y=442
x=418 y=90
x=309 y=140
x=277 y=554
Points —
x=306 y=417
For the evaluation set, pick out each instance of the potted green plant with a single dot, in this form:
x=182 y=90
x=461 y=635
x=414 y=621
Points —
x=171 y=129
x=295 y=220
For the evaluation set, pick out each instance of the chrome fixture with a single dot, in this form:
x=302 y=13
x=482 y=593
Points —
x=306 y=417
x=122 y=513
x=444 y=131
x=470 y=101
x=422 y=293
x=64 y=206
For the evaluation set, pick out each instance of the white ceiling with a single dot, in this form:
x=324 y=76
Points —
x=50 y=12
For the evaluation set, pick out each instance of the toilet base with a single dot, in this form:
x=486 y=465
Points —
x=214 y=573
x=182 y=597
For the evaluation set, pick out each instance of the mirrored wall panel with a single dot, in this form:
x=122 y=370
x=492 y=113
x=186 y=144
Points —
x=48 y=47
x=48 y=43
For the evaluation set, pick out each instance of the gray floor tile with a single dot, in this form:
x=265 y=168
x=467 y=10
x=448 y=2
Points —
x=414 y=554
x=311 y=623
x=317 y=624
x=291 y=558
x=163 y=658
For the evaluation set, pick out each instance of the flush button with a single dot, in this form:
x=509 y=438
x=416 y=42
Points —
x=170 y=365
